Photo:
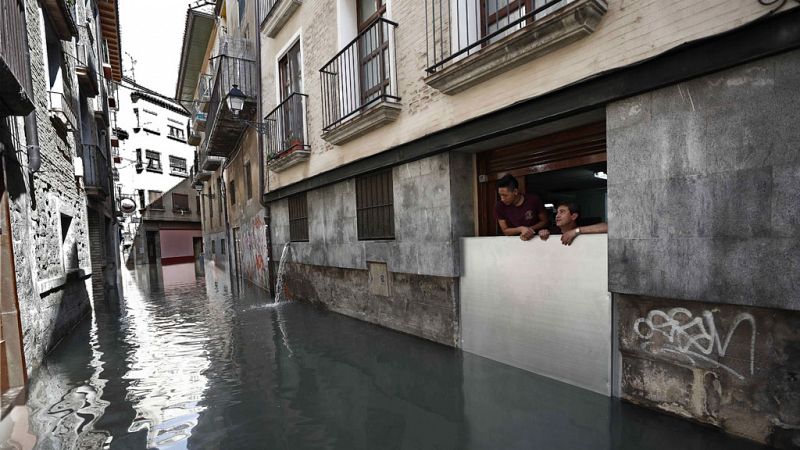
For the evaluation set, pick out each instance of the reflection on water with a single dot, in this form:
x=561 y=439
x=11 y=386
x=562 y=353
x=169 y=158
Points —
x=201 y=363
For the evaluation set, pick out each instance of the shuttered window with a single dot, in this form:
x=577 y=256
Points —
x=375 y=206
x=298 y=218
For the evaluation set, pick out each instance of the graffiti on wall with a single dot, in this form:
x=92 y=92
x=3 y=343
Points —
x=254 y=252
x=696 y=339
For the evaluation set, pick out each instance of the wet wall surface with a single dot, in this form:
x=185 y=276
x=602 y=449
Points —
x=203 y=364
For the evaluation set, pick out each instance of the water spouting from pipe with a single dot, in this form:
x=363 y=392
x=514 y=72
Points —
x=279 y=297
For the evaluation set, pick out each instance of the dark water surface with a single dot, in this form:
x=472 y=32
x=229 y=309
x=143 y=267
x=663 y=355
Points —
x=201 y=364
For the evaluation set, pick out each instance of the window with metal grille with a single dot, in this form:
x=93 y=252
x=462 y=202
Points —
x=177 y=166
x=298 y=218
x=375 y=206
x=180 y=202
x=153 y=161
x=156 y=200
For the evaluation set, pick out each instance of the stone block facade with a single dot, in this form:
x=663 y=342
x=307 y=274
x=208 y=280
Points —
x=703 y=214
x=432 y=211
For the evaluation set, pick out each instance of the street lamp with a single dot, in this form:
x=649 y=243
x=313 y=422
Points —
x=236 y=100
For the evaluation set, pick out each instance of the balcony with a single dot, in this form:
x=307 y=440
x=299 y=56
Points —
x=86 y=69
x=117 y=156
x=15 y=87
x=96 y=178
x=286 y=130
x=62 y=114
x=223 y=127
x=275 y=14
x=359 y=85
x=199 y=175
x=470 y=41
x=62 y=17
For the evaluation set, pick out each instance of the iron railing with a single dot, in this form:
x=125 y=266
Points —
x=87 y=68
x=13 y=42
x=455 y=29
x=266 y=9
x=286 y=126
x=96 y=168
x=230 y=71
x=360 y=75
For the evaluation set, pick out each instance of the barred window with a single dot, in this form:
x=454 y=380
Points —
x=177 y=166
x=156 y=199
x=180 y=202
x=375 y=206
x=298 y=218
x=153 y=161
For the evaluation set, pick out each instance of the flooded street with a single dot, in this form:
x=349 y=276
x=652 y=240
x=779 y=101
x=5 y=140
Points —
x=199 y=363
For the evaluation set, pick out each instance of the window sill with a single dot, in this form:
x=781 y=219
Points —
x=278 y=16
x=180 y=174
x=155 y=170
x=289 y=159
x=559 y=29
x=374 y=117
x=183 y=141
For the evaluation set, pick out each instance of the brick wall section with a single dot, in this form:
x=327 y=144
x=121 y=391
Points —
x=629 y=32
x=50 y=303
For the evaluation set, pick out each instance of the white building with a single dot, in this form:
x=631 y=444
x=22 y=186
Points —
x=151 y=161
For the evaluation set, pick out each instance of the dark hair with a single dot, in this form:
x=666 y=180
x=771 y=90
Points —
x=571 y=206
x=508 y=181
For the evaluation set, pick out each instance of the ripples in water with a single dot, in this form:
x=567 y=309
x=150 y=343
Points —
x=210 y=365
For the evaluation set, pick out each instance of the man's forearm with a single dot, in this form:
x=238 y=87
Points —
x=539 y=225
x=515 y=231
x=598 y=228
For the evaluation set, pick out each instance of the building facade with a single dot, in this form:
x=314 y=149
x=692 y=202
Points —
x=59 y=61
x=381 y=129
x=153 y=160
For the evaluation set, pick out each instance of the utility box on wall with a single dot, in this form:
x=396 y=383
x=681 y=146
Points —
x=379 y=281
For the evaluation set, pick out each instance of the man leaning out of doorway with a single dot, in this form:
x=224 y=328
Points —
x=567 y=221
x=518 y=214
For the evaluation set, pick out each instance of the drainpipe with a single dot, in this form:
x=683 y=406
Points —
x=262 y=181
x=32 y=136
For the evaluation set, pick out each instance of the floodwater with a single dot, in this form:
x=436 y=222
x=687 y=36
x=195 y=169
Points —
x=203 y=364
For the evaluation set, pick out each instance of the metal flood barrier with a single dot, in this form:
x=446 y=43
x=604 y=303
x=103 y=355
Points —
x=539 y=306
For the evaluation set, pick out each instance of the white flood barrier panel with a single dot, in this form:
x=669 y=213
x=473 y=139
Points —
x=540 y=306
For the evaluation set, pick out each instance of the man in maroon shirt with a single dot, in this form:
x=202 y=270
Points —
x=518 y=214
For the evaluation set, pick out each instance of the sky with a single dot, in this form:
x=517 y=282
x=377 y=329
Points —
x=152 y=32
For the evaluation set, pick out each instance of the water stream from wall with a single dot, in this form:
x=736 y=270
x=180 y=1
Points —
x=279 y=294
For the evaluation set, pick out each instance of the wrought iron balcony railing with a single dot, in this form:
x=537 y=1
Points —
x=361 y=75
x=86 y=69
x=455 y=29
x=96 y=177
x=223 y=127
x=16 y=92
x=286 y=126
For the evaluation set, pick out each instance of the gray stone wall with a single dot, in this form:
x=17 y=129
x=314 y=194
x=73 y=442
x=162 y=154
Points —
x=704 y=213
x=704 y=188
x=432 y=210
x=52 y=265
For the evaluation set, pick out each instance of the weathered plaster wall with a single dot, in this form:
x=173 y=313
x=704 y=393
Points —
x=704 y=213
x=730 y=366
x=422 y=305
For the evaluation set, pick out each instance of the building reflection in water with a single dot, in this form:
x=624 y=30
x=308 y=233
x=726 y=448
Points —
x=204 y=363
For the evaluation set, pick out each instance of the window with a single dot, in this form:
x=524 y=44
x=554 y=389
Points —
x=180 y=202
x=298 y=218
x=248 y=179
x=232 y=192
x=197 y=200
x=150 y=121
x=213 y=246
x=153 y=161
x=375 y=206
x=176 y=133
x=222 y=246
x=210 y=205
x=142 y=204
x=219 y=194
x=177 y=166
x=156 y=199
